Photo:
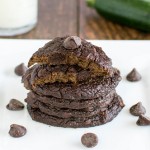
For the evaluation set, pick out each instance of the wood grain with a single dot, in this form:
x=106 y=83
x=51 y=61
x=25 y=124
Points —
x=56 y=18
x=94 y=26
x=61 y=17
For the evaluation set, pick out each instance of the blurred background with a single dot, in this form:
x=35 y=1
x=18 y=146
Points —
x=74 y=17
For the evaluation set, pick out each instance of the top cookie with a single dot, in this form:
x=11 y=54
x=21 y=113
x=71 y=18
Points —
x=72 y=50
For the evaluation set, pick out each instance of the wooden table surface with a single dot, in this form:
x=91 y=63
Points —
x=73 y=17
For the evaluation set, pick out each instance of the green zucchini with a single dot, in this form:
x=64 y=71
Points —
x=133 y=13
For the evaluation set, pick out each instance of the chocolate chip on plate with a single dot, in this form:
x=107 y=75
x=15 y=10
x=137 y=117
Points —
x=138 y=109
x=89 y=140
x=143 y=121
x=72 y=42
x=15 y=104
x=133 y=76
x=17 y=130
x=20 y=69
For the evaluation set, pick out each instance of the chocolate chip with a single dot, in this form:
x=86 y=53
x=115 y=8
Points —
x=143 y=121
x=17 y=130
x=89 y=140
x=134 y=76
x=20 y=69
x=137 y=109
x=72 y=42
x=15 y=104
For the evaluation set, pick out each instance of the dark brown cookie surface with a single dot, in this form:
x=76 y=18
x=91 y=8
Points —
x=91 y=89
x=33 y=98
x=68 y=113
x=43 y=74
x=98 y=119
x=84 y=55
x=27 y=77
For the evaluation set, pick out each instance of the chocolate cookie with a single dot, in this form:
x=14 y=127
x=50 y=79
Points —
x=98 y=119
x=42 y=74
x=91 y=89
x=33 y=99
x=68 y=113
x=26 y=77
x=68 y=50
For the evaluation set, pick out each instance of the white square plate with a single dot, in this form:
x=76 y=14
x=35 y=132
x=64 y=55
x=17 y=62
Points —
x=120 y=134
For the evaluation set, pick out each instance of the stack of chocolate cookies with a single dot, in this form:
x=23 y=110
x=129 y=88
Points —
x=72 y=84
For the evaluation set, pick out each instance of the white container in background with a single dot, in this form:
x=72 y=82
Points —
x=17 y=16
